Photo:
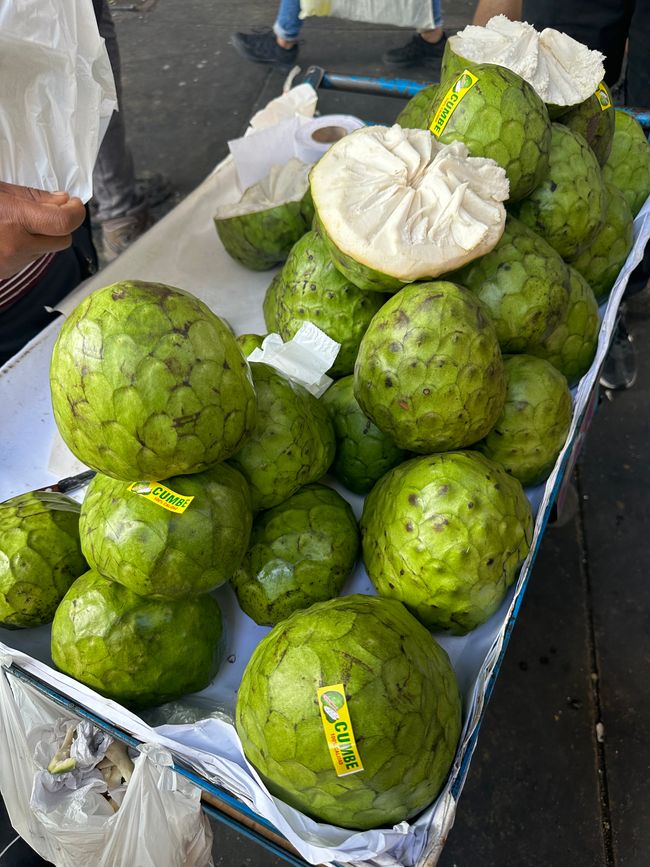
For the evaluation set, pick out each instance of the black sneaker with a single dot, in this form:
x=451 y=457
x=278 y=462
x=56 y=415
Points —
x=416 y=51
x=620 y=368
x=262 y=47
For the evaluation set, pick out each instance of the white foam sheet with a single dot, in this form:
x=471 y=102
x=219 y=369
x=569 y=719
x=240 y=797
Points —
x=183 y=249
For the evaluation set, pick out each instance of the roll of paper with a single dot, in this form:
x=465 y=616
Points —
x=316 y=136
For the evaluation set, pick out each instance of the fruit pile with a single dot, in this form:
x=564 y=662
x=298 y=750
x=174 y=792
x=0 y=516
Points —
x=458 y=258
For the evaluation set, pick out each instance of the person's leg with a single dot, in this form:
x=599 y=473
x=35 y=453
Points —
x=486 y=9
x=273 y=45
x=425 y=47
x=288 y=22
x=637 y=79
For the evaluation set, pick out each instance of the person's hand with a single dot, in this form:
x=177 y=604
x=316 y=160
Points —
x=32 y=223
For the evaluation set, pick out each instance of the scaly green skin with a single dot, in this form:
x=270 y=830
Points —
x=402 y=698
x=300 y=553
x=568 y=207
x=134 y=650
x=415 y=113
x=601 y=262
x=158 y=553
x=315 y=291
x=445 y=534
x=272 y=300
x=628 y=165
x=523 y=284
x=363 y=452
x=503 y=118
x=429 y=372
x=572 y=346
x=292 y=443
x=594 y=124
x=363 y=276
x=40 y=556
x=262 y=240
x=249 y=342
x=148 y=383
x=533 y=427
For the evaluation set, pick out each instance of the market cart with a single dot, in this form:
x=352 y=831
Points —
x=182 y=250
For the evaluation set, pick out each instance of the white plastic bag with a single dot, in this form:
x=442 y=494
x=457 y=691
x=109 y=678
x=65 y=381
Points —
x=57 y=94
x=159 y=824
x=407 y=13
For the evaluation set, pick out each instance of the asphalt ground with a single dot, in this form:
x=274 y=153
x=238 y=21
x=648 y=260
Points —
x=560 y=774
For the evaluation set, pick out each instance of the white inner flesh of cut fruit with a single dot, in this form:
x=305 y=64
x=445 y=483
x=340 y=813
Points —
x=403 y=204
x=562 y=71
x=286 y=183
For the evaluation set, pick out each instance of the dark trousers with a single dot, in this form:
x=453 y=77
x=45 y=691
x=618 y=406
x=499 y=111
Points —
x=24 y=319
x=604 y=25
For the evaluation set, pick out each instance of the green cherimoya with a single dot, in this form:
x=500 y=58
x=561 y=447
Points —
x=416 y=112
x=445 y=534
x=429 y=372
x=363 y=452
x=533 y=427
x=497 y=115
x=403 y=704
x=568 y=207
x=601 y=262
x=628 y=164
x=249 y=342
x=300 y=552
x=147 y=383
x=40 y=556
x=562 y=71
x=272 y=302
x=292 y=443
x=594 y=120
x=260 y=229
x=133 y=649
x=571 y=347
x=523 y=284
x=395 y=206
x=157 y=552
x=313 y=290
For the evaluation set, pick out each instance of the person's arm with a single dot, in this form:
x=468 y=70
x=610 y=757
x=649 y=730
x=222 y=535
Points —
x=32 y=223
x=486 y=9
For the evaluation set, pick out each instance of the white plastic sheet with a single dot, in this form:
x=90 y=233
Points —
x=56 y=94
x=159 y=823
x=406 y=13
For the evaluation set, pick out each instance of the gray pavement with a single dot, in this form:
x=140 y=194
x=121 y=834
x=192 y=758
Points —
x=543 y=791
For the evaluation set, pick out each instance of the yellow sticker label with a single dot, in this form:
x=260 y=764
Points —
x=603 y=96
x=465 y=81
x=161 y=496
x=338 y=730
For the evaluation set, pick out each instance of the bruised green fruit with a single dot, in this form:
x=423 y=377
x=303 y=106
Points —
x=594 y=120
x=148 y=383
x=628 y=164
x=292 y=443
x=402 y=698
x=300 y=552
x=568 y=207
x=249 y=342
x=601 y=262
x=523 y=284
x=501 y=117
x=260 y=229
x=272 y=301
x=415 y=113
x=363 y=452
x=395 y=206
x=156 y=552
x=40 y=556
x=571 y=347
x=132 y=649
x=533 y=427
x=445 y=534
x=429 y=372
x=313 y=290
